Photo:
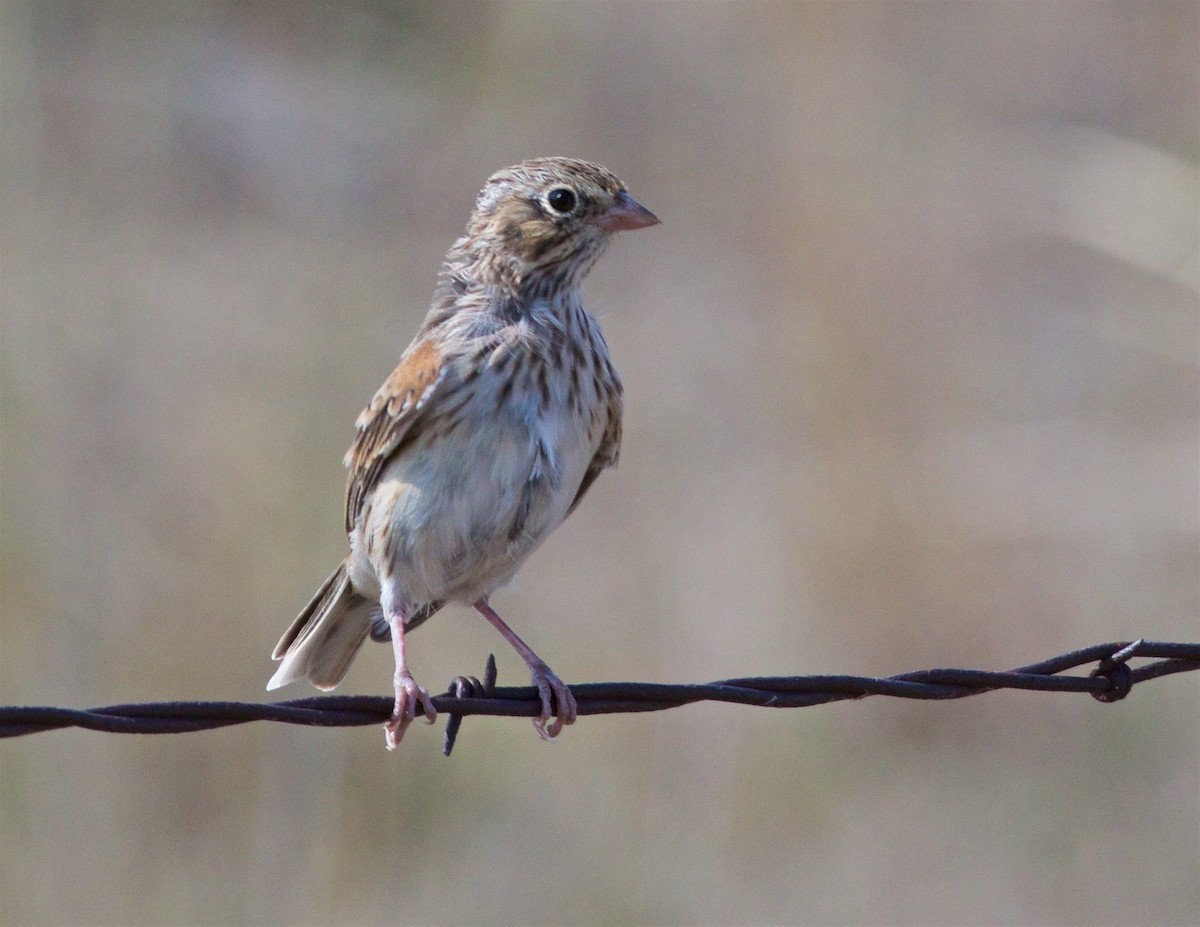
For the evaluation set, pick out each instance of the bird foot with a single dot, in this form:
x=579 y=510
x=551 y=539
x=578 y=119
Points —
x=408 y=696
x=554 y=694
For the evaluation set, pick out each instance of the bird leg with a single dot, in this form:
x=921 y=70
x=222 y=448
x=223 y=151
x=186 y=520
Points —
x=553 y=691
x=408 y=693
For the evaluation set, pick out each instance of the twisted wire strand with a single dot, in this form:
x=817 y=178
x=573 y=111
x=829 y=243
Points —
x=1110 y=680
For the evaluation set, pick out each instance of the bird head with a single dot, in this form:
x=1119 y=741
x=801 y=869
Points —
x=546 y=221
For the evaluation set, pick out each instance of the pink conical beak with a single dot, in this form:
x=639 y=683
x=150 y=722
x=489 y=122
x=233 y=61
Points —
x=625 y=215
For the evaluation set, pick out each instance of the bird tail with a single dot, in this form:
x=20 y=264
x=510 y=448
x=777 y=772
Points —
x=322 y=641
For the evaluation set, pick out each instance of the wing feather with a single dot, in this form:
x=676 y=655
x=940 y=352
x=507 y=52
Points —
x=390 y=421
x=608 y=450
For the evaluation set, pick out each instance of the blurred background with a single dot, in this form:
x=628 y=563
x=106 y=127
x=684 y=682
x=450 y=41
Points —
x=911 y=373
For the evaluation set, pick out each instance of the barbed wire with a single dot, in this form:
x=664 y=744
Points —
x=1110 y=680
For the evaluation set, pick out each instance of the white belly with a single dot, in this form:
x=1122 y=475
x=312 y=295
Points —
x=453 y=518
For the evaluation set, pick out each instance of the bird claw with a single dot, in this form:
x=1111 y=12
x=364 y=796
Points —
x=408 y=696
x=553 y=692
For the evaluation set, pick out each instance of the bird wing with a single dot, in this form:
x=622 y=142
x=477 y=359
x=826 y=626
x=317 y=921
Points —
x=608 y=450
x=387 y=423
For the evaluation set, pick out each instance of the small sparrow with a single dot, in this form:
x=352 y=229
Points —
x=497 y=420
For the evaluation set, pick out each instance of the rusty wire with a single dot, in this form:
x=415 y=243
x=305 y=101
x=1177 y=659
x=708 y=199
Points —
x=1110 y=680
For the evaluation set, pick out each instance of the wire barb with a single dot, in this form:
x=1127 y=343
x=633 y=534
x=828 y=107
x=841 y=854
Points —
x=1116 y=670
x=1110 y=680
x=468 y=687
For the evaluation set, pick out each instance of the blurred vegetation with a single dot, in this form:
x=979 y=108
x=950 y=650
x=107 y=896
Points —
x=912 y=380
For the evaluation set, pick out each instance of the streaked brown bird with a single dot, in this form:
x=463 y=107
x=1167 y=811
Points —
x=496 y=422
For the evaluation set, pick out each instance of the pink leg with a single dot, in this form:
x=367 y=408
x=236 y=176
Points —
x=408 y=693
x=553 y=691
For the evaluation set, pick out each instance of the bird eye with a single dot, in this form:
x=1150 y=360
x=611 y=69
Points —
x=561 y=200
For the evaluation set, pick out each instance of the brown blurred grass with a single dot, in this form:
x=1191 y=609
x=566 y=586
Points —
x=912 y=381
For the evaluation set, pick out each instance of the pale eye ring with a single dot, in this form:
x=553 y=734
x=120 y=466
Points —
x=562 y=200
